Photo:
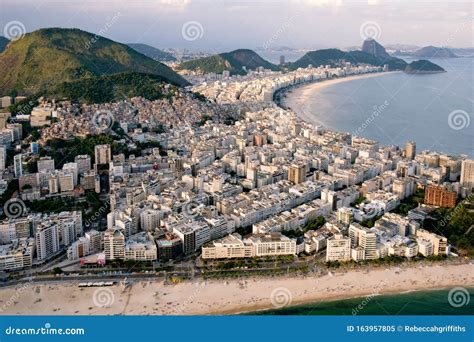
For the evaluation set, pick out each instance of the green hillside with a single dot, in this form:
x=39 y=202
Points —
x=335 y=57
x=152 y=52
x=434 y=52
x=233 y=61
x=110 y=88
x=47 y=57
x=423 y=67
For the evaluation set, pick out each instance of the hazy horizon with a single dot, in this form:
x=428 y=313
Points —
x=225 y=25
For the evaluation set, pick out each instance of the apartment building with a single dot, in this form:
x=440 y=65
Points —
x=338 y=248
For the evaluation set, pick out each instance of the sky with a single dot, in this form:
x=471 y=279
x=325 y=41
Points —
x=222 y=25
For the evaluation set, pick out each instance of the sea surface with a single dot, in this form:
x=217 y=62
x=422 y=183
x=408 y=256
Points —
x=438 y=302
x=435 y=110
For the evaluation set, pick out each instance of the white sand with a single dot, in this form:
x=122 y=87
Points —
x=298 y=98
x=224 y=297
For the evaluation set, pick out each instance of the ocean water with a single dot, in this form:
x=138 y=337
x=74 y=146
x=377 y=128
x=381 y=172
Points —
x=435 y=110
x=438 y=302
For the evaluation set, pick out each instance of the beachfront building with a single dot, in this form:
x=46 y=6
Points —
x=193 y=235
x=273 y=244
x=114 y=244
x=259 y=245
x=139 y=248
x=365 y=238
x=316 y=240
x=169 y=247
x=47 y=240
x=78 y=249
x=17 y=255
x=338 y=248
x=88 y=244
x=425 y=246
x=440 y=243
x=228 y=247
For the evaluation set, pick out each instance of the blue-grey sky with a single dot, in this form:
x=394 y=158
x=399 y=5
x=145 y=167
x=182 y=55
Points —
x=221 y=25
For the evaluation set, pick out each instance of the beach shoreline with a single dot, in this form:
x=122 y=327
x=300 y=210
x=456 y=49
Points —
x=298 y=101
x=229 y=297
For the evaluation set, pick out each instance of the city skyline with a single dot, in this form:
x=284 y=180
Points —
x=300 y=157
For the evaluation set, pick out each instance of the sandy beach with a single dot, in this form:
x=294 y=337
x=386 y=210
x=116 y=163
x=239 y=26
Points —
x=297 y=98
x=225 y=297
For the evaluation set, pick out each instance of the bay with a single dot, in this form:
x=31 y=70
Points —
x=434 y=110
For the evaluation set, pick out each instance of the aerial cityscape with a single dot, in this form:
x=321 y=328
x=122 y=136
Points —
x=294 y=178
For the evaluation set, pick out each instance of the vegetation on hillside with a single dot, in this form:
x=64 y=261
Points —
x=423 y=66
x=234 y=62
x=111 y=88
x=336 y=57
x=456 y=224
x=152 y=52
x=47 y=57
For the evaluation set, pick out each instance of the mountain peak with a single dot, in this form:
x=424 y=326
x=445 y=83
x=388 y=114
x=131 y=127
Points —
x=234 y=61
x=371 y=46
x=434 y=52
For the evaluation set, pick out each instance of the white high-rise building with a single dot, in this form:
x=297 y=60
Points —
x=365 y=238
x=114 y=244
x=3 y=157
x=47 y=240
x=73 y=168
x=66 y=181
x=338 y=248
x=45 y=164
x=149 y=219
x=410 y=150
x=103 y=154
x=53 y=184
x=467 y=174
x=18 y=166
x=83 y=163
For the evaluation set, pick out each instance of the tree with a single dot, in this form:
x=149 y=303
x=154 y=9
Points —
x=57 y=270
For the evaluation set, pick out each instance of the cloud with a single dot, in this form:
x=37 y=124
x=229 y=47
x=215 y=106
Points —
x=175 y=4
x=319 y=3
